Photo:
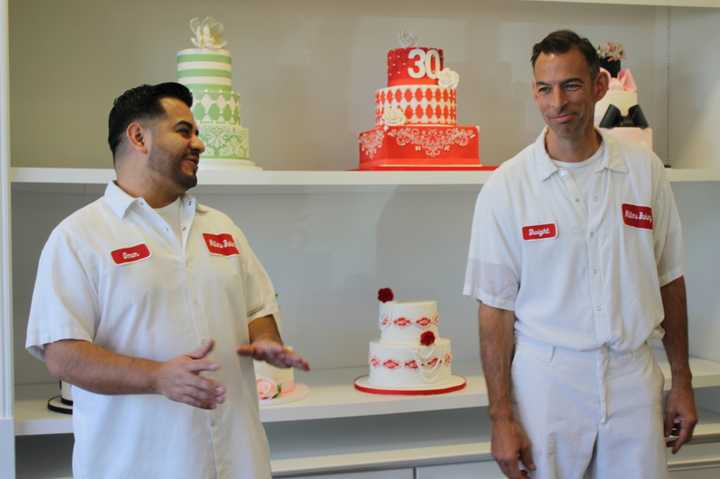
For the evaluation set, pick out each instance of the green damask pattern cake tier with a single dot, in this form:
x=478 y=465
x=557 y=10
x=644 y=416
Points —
x=207 y=72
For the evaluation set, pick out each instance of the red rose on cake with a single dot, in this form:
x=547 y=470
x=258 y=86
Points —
x=385 y=295
x=427 y=338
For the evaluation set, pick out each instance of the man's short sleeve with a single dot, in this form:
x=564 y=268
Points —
x=493 y=270
x=259 y=292
x=64 y=301
x=669 y=246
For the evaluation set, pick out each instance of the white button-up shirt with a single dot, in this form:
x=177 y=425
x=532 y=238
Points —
x=577 y=275
x=114 y=273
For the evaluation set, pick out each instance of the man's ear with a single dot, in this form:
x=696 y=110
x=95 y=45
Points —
x=138 y=137
x=602 y=82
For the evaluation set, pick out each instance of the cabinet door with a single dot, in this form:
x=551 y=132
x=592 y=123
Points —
x=470 y=470
x=389 y=474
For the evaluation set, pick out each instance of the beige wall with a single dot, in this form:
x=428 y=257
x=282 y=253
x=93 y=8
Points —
x=306 y=71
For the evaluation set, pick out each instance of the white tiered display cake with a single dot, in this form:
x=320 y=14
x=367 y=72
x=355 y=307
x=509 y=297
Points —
x=207 y=72
x=410 y=357
x=619 y=112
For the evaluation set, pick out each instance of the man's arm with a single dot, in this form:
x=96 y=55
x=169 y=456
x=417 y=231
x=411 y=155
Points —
x=680 y=413
x=509 y=441
x=267 y=345
x=96 y=369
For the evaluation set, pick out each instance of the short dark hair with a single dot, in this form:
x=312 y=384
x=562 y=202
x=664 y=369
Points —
x=562 y=41
x=141 y=102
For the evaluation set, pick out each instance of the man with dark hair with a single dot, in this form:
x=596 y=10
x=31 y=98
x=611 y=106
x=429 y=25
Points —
x=154 y=307
x=576 y=258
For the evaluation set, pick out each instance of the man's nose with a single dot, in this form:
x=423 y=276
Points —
x=197 y=144
x=558 y=97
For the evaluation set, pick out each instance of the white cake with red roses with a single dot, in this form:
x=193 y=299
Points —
x=410 y=354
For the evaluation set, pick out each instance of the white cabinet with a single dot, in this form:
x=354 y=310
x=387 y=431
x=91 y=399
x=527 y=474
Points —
x=388 y=474
x=470 y=470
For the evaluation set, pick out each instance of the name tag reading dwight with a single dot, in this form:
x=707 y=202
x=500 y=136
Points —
x=222 y=244
x=538 y=232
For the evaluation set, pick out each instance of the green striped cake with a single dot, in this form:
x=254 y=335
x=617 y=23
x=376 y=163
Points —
x=207 y=73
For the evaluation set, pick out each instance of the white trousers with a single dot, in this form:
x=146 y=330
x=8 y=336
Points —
x=590 y=414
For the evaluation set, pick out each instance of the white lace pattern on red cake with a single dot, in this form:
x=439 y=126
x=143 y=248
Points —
x=432 y=142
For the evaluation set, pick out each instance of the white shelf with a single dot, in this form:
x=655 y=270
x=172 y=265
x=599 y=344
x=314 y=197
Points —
x=331 y=396
x=649 y=3
x=90 y=177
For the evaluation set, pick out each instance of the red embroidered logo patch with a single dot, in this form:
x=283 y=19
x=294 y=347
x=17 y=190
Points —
x=637 y=216
x=222 y=244
x=539 y=232
x=130 y=254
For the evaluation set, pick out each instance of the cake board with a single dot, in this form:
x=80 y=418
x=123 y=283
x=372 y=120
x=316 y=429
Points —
x=455 y=383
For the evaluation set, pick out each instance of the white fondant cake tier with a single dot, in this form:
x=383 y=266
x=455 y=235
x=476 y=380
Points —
x=644 y=136
x=399 y=364
x=405 y=322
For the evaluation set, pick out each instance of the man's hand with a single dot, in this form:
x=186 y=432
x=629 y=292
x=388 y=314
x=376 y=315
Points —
x=179 y=379
x=273 y=353
x=510 y=447
x=680 y=417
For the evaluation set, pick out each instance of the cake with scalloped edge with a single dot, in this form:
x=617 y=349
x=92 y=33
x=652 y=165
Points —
x=207 y=71
x=619 y=112
x=410 y=352
x=415 y=116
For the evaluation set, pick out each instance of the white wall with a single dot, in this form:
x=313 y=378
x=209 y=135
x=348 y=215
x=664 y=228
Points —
x=694 y=96
x=306 y=71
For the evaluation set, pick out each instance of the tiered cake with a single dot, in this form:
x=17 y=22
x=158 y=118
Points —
x=415 y=117
x=207 y=72
x=618 y=112
x=410 y=356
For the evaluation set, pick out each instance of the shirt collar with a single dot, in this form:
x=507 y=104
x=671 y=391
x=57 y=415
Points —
x=120 y=202
x=612 y=159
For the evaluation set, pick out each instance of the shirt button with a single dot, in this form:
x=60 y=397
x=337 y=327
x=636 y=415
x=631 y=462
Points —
x=596 y=198
x=577 y=200
x=598 y=308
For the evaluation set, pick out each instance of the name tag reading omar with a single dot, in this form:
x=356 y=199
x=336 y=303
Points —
x=222 y=244
x=538 y=232
x=131 y=254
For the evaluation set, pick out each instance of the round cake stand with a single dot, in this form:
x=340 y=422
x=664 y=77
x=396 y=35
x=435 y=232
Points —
x=455 y=383
x=301 y=391
x=56 y=404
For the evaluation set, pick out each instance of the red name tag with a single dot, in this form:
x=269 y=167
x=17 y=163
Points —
x=131 y=254
x=222 y=244
x=539 y=232
x=637 y=216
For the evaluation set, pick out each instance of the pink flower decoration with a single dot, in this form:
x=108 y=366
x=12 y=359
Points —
x=267 y=389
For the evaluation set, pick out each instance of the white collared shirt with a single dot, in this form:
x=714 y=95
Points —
x=114 y=273
x=577 y=276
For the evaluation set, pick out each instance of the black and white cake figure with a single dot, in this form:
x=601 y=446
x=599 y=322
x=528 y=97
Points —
x=619 y=111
